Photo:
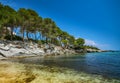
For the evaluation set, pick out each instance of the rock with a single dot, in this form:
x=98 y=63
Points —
x=93 y=50
x=18 y=48
x=12 y=49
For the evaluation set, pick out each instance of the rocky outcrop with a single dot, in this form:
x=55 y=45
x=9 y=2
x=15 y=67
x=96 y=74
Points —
x=18 y=48
x=93 y=50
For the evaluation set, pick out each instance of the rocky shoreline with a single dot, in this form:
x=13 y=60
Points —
x=20 y=49
x=10 y=49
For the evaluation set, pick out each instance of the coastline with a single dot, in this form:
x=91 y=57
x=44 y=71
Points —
x=12 y=49
x=19 y=49
x=24 y=73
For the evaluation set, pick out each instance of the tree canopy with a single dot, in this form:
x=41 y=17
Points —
x=30 y=23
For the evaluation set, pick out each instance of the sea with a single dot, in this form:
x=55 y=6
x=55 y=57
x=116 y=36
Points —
x=105 y=64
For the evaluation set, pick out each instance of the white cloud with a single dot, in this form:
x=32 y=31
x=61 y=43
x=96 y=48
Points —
x=93 y=43
x=90 y=42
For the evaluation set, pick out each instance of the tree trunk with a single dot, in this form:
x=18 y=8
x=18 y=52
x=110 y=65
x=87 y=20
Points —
x=40 y=35
x=27 y=34
x=35 y=36
x=46 y=40
x=23 y=33
x=11 y=34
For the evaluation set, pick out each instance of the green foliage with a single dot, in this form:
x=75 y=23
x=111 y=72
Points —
x=79 y=42
x=30 y=22
x=8 y=18
x=71 y=40
x=65 y=42
x=56 y=42
x=40 y=42
x=8 y=37
x=91 y=47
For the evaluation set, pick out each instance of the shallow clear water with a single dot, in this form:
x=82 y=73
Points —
x=106 y=64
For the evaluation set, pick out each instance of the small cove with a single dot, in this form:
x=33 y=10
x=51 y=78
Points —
x=106 y=64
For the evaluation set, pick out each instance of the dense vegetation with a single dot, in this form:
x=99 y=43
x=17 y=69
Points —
x=91 y=47
x=29 y=23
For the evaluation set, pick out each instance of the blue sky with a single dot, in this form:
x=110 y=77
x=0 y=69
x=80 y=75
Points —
x=97 y=21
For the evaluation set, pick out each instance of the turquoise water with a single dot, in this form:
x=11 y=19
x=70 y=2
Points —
x=106 y=64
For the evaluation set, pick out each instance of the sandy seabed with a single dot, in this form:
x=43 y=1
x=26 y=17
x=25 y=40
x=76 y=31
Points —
x=13 y=72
